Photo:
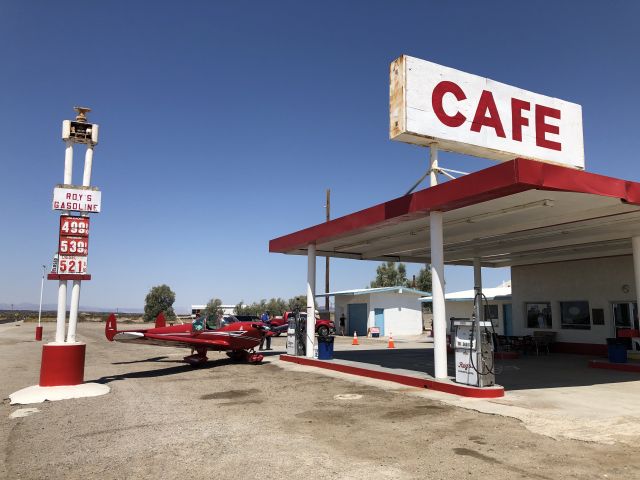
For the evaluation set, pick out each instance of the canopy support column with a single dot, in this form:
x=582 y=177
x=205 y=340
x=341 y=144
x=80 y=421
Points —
x=311 y=292
x=437 y=280
x=478 y=299
x=635 y=243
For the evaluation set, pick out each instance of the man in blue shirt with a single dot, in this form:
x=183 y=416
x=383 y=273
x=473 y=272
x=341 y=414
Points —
x=266 y=319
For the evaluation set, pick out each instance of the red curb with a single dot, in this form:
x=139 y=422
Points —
x=446 y=387
x=622 y=367
x=506 y=355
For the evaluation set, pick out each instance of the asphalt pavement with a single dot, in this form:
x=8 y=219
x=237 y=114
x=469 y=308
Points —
x=164 y=419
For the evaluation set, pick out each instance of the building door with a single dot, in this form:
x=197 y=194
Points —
x=625 y=315
x=379 y=312
x=357 y=320
x=506 y=315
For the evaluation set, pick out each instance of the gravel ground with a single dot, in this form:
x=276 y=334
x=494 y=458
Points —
x=166 y=420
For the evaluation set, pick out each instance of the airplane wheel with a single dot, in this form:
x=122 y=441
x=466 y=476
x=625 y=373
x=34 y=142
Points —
x=237 y=355
x=256 y=358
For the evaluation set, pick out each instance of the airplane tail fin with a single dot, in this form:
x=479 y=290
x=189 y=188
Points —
x=111 y=327
x=161 y=321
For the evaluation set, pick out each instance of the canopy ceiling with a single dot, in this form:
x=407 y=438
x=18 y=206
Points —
x=516 y=213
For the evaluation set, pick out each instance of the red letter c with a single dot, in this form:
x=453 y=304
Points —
x=436 y=100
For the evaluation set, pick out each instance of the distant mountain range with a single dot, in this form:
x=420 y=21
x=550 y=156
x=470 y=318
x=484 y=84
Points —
x=53 y=307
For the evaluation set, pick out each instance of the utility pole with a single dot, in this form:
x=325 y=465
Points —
x=326 y=259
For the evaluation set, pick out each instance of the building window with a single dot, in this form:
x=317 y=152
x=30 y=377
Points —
x=575 y=315
x=538 y=315
x=491 y=312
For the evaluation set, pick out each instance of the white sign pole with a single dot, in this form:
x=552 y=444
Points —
x=68 y=163
x=62 y=310
x=61 y=318
x=88 y=164
x=75 y=290
x=44 y=268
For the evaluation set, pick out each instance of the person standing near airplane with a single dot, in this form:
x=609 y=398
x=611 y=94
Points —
x=266 y=319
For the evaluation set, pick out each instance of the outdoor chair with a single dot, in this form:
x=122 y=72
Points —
x=502 y=343
x=543 y=341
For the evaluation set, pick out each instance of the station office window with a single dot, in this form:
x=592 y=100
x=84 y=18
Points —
x=538 y=315
x=575 y=315
x=491 y=313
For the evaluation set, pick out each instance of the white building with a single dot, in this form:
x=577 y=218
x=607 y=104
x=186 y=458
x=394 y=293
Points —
x=497 y=308
x=226 y=309
x=583 y=301
x=394 y=310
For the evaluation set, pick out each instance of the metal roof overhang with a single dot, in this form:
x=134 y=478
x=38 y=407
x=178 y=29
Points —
x=516 y=213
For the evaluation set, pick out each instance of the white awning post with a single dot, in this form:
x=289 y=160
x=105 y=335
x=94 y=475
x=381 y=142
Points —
x=311 y=292
x=437 y=280
x=478 y=299
x=635 y=244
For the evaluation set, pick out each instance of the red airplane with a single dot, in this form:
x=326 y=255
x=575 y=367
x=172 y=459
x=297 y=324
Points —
x=238 y=339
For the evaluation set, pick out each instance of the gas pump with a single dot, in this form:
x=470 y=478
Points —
x=473 y=343
x=296 y=334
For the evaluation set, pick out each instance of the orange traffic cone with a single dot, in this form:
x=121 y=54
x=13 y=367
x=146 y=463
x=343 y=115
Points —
x=391 y=344
x=355 y=339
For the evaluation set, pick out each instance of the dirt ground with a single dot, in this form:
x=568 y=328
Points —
x=164 y=419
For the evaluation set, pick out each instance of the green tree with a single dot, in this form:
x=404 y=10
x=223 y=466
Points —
x=423 y=282
x=213 y=308
x=159 y=299
x=390 y=275
x=276 y=306
x=299 y=301
x=240 y=308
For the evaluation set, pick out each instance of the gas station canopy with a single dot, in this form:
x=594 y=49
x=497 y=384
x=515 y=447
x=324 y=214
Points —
x=520 y=212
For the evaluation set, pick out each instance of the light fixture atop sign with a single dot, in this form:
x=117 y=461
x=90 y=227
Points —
x=79 y=131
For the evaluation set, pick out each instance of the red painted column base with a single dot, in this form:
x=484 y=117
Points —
x=62 y=364
x=39 y=333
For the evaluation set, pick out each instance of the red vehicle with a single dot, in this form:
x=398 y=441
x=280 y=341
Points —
x=227 y=334
x=279 y=325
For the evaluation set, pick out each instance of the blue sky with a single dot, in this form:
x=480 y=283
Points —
x=222 y=124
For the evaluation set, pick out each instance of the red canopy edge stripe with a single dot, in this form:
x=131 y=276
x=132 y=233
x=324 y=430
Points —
x=501 y=180
x=544 y=176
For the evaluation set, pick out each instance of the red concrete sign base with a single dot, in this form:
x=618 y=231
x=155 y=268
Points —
x=68 y=276
x=62 y=364
x=446 y=386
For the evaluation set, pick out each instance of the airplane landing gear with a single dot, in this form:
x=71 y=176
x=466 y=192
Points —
x=197 y=359
x=254 y=357
x=245 y=356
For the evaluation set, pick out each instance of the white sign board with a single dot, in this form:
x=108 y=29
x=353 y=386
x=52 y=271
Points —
x=77 y=199
x=465 y=113
x=72 y=264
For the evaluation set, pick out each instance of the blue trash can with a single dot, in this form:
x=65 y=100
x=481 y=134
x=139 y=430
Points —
x=325 y=347
x=617 y=350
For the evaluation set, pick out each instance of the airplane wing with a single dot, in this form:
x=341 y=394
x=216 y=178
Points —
x=189 y=340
